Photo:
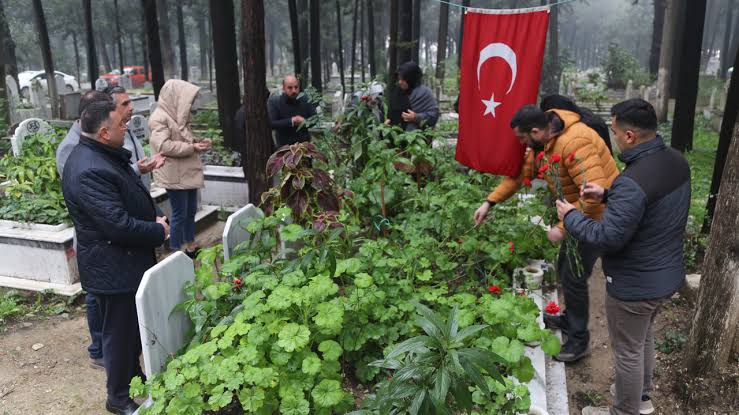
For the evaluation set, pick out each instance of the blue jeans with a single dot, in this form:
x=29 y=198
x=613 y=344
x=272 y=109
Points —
x=182 y=223
x=95 y=324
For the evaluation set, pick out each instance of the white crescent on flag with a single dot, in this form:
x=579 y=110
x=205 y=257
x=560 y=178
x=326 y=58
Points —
x=496 y=50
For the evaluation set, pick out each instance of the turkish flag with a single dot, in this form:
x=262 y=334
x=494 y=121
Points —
x=502 y=53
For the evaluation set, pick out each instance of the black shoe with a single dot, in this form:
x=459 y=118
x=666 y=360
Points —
x=556 y=322
x=128 y=409
x=573 y=351
x=97 y=363
x=192 y=254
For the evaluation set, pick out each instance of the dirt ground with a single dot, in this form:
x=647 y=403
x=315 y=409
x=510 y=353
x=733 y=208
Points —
x=589 y=380
x=57 y=378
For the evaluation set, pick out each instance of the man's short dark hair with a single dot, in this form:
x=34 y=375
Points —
x=635 y=113
x=529 y=117
x=95 y=115
x=92 y=96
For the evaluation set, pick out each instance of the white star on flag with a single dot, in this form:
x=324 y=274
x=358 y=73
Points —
x=490 y=105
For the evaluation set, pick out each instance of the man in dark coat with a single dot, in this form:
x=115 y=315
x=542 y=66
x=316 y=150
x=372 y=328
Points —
x=117 y=230
x=641 y=238
x=288 y=113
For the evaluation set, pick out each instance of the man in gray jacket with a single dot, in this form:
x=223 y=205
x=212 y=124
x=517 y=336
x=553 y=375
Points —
x=641 y=237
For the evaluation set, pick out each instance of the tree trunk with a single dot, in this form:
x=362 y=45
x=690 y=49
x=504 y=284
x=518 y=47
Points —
x=315 y=44
x=305 y=54
x=107 y=67
x=227 y=69
x=717 y=314
x=465 y=3
x=551 y=77
x=665 y=60
x=203 y=42
x=657 y=24
x=371 y=39
x=405 y=28
x=726 y=46
x=354 y=43
x=392 y=50
x=210 y=55
x=153 y=46
x=272 y=42
x=295 y=36
x=170 y=70
x=259 y=140
x=361 y=40
x=677 y=37
x=416 y=32
x=7 y=47
x=132 y=47
x=182 y=41
x=5 y=119
x=727 y=125
x=145 y=47
x=118 y=37
x=441 y=41
x=76 y=55
x=341 y=50
x=43 y=37
x=682 y=128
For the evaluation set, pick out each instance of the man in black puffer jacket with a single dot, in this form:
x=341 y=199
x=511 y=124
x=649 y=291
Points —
x=117 y=230
x=641 y=235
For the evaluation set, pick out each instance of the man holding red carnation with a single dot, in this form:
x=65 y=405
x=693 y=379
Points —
x=566 y=153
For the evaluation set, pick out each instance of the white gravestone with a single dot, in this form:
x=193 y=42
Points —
x=100 y=84
x=235 y=231
x=139 y=127
x=162 y=332
x=27 y=127
x=14 y=98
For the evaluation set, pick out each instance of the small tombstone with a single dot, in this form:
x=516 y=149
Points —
x=162 y=331
x=712 y=101
x=642 y=90
x=337 y=103
x=27 y=127
x=572 y=89
x=562 y=83
x=38 y=95
x=101 y=84
x=14 y=98
x=61 y=86
x=70 y=105
x=139 y=127
x=629 y=89
x=235 y=231
x=334 y=69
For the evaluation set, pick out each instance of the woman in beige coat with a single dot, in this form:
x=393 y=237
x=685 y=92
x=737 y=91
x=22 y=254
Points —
x=182 y=175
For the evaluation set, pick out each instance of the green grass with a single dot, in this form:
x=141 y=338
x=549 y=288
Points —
x=14 y=305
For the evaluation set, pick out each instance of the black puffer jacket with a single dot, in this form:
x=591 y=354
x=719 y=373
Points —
x=642 y=229
x=114 y=218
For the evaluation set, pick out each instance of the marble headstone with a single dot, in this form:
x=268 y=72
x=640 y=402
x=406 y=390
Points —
x=38 y=95
x=162 y=332
x=100 y=84
x=235 y=231
x=25 y=128
x=13 y=96
x=139 y=127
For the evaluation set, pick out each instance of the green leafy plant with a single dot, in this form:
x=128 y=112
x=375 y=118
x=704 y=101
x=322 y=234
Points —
x=621 y=66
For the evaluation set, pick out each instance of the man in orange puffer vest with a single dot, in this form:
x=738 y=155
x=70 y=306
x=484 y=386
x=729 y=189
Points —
x=583 y=157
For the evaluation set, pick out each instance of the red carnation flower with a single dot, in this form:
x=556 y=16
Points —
x=494 y=289
x=543 y=168
x=552 y=308
x=556 y=158
x=526 y=182
x=364 y=98
x=540 y=156
x=511 y=247
x=571 y=157
x=237 y=281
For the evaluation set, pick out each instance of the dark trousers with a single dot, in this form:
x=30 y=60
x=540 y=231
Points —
x=95 y=324
x=632 y=342
x=184 y=206
x=575 y=289
x=121 y=344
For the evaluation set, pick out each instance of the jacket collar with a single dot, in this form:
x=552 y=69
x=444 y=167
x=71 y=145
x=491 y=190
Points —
x=119 y=154
x=642 y=150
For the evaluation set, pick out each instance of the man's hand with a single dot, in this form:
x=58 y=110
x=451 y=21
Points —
x=387 y=121
x=297 y=120
x=481 y=212
x=162 y=220
x=592 y=192
x=409 y=116
x=146 y=165
x=555 y=234
x=202 y=146
x=563 y=207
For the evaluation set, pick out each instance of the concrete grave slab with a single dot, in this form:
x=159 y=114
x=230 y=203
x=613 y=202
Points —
x=235 y=231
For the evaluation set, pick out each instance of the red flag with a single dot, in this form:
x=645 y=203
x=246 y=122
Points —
x=502 y=55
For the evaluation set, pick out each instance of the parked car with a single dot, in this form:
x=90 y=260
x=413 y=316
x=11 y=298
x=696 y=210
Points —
x=136 y=73
x=27 y=77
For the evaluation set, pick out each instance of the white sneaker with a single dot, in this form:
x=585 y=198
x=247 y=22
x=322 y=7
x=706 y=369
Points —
x=645 y=407
x=596 y=410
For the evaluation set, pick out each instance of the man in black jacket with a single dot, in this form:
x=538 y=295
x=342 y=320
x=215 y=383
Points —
x=288 y=113
x=641 y=235
x=117 y=230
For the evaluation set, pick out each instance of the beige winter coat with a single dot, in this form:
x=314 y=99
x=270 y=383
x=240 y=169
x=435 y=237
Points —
x=171 y=135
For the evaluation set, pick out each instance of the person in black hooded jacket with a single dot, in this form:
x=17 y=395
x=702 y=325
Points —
x=421 y=109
